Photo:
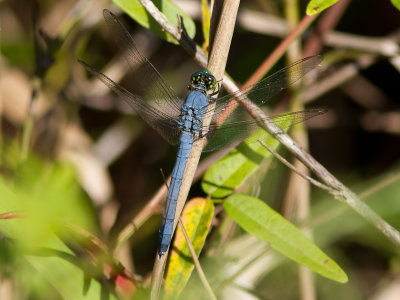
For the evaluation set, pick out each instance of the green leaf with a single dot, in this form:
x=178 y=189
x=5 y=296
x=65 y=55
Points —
x=317 y=6
x=259 y=219
x=237 y=166
x=42 y=201
x=205 y=23
x=196 y=218
x=137 y=12
x=396 y=3
x=68 y=279
x=49 y=197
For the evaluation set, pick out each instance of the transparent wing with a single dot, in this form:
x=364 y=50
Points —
x=166 y=125
x=267 y=88
x=163 y=111
x=236 y=132
x=157 y=90
x=237 y=126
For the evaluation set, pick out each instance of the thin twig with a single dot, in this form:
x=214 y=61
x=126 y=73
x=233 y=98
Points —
x=186 y=43
x=341 y=75
x=199 y=269
x=326 y=23
x=298 y=172
x=151 y=207
x=316 y=221
x=380 y=185
x=280 y=50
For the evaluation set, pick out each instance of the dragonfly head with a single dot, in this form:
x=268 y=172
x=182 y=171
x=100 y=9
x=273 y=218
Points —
x=203 y=80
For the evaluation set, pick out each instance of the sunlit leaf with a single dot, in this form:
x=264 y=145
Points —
x=42 y=201
x=196 y=218
x=49 y=197
x=396 y=3
x=68 y=279
x=205 y=23
x=259 y=219
x=137 y=12
x=317 y=6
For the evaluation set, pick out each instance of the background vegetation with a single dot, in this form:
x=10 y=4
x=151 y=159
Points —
x=77 y=166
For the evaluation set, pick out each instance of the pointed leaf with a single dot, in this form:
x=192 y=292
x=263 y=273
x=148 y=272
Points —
x=317 y=6
x=40 y=202
x=68 y=279
x=259 y=219
x=396 y=3
x=205 y=23
x=137 y=12
x=196 y=218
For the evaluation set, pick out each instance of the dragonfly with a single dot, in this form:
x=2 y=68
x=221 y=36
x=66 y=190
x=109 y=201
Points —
x=181 y=122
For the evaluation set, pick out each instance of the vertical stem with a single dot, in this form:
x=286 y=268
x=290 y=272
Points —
x=221 y=43
x=292 y=18
x=216 y=66
x=297 y=198
x=28 y=124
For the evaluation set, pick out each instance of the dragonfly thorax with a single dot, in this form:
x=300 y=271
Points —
x=190 y=119
x=193 y=111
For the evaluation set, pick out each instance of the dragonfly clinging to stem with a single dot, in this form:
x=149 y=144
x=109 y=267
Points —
x=181 y=122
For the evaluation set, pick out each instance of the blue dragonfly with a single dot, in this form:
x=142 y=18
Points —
x=181 y=122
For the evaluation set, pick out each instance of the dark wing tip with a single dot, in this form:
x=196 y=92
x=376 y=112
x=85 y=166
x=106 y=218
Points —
x=108 y=14
x=319 y=111
x=88 y=67
x=82 y=62
x=317 y=58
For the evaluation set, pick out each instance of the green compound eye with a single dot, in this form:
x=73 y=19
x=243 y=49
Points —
x=204 y=78
x=211 y=82
x=196 y=78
